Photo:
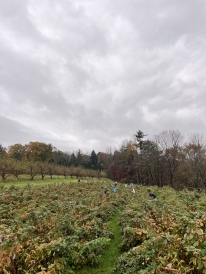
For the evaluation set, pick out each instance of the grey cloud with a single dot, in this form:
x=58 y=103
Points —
x=89 y=74
x=13 y=132
x=15 y=21
x=162 y=22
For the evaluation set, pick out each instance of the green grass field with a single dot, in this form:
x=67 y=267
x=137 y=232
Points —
x=24 y=181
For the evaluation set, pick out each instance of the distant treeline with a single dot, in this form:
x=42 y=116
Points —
x=165 y=160
x=37 y=158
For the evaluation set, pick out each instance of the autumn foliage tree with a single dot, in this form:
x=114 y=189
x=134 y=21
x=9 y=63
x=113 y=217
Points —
x=17 y=152
x=38 y=151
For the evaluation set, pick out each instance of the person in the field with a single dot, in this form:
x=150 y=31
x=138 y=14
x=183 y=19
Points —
x=152 y=195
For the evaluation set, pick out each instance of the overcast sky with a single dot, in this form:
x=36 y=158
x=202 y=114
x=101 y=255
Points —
x=88 y=74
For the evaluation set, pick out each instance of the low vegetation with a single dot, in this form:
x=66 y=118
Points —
x=71 y=227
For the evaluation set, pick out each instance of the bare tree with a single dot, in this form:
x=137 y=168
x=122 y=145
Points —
x=170 y=142
x=195 y=160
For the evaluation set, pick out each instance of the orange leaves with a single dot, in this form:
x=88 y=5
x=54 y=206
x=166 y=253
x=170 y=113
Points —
x=199 y=232
x=27 y=243
x=38 y=151
x=88 y=227
x=202 y=222
x=16 y=249
x=78 y=216
x=25 y=216
x=169 y=270
x=141 y=232
x=92 y=204
x=4 y=257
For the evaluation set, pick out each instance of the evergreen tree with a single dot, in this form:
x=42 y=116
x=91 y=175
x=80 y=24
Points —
x=79 y=157
x=73 y=159
x=139 y=136
x=94 y=160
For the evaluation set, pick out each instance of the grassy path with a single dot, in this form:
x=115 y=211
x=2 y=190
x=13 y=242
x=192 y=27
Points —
x=22 y=182
x=111 y=253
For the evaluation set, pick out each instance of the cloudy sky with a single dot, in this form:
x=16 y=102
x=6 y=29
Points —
x=88 y=74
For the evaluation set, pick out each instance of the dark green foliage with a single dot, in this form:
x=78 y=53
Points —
x=94 y=160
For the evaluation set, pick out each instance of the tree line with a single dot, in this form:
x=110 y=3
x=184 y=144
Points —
x=42 y=152
x=37 y=158
x=167 y=159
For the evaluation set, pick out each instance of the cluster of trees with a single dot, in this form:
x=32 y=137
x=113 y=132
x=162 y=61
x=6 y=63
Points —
x=165 y=160
x=38 y=151
x=37 y=158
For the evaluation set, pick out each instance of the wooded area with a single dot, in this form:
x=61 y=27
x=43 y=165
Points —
x=165 y=160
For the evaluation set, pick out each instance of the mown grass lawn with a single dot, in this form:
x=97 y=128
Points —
x=24 y=181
